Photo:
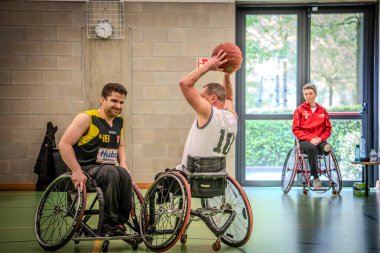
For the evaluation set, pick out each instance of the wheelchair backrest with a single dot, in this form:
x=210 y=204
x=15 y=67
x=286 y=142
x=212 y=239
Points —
x=207 y=176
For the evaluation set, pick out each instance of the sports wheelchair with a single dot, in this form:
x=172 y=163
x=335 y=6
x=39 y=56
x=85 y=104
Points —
x=64 y=213
x=296 y=164
x=166 y=211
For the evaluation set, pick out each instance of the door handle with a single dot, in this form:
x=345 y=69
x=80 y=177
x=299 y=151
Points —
x=364 y=108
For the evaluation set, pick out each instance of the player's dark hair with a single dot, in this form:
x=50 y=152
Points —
x=113 y=87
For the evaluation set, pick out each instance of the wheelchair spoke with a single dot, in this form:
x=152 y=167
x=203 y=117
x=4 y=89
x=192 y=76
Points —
x=289 y=170
x=166 y=211
x=58 y=213
x=239 y=231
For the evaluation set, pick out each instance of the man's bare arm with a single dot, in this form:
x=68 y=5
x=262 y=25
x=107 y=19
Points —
x=201 y=106
x=121 y=157
x=229 y=102
x=71 y=136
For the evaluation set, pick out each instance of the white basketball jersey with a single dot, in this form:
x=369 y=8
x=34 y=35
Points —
x=215 y=138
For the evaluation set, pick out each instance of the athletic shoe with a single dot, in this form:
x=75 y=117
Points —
x=107 y=230
x=317 y=184
x=119 y=230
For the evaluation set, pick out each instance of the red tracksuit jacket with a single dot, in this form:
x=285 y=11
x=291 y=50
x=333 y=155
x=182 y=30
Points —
x=308 y=125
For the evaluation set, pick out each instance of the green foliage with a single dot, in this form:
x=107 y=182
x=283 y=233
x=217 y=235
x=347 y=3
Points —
x=268 y=141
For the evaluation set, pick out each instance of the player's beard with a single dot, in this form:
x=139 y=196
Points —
x=113 y=112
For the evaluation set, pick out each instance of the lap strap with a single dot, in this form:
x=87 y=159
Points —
x=206 y=164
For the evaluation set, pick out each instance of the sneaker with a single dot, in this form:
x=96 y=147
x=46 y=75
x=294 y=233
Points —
x=327 y=148
x=317 y=184
x=119 y=230
x=107 y=230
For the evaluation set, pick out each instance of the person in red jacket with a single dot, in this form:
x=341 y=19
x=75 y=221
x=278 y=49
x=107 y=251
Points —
x=312 y=127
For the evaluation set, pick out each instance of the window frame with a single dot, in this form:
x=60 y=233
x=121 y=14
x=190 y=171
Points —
x=369 y=116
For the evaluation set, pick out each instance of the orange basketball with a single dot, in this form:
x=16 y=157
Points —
x=234 y=56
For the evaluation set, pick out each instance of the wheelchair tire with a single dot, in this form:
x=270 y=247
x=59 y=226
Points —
x=239 y=232
x=334 y=174
x=133 y=226
x=59 y=213
x=289 y=170
x=165 y=211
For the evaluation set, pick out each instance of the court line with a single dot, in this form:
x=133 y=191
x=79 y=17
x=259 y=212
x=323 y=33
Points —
x=97 y=246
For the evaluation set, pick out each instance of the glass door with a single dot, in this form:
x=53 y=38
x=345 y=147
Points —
x=336 y=68
x=284 y=48
x=270 y=91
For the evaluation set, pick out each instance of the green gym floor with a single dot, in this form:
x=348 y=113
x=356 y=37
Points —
x=291 y=223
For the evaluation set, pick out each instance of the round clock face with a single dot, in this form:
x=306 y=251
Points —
x=103 y=29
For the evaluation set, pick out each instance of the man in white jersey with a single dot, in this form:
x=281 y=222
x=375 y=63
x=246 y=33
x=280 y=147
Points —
x=214 y=129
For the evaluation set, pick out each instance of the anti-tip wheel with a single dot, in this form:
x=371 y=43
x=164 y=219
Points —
x=135 y=245
x=105 y=246
x=216 y=246
x=183 y=239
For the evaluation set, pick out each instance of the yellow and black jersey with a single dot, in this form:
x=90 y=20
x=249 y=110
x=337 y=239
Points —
x=100 y=142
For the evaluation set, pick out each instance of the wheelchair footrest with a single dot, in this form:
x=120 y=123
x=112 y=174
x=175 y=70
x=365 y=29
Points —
x=205 y=217
x=106 y=238
x=323 y=189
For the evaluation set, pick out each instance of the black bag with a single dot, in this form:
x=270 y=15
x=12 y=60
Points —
x=44 y=166
x=208 y=177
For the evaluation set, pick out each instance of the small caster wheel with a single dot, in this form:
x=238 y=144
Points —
x=76 y=241
x=105 y=246
x=334 y=192
x=216 y=246
x=135 y=245
x=183 y=239
x=305 y=191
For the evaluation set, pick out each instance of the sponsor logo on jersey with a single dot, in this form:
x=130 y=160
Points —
x=107 y=155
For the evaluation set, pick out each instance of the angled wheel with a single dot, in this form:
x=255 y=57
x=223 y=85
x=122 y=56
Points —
x=165 y=211
x=333 y=172
x=289 y=171
x=59 y=213
x=239 y=232
x=134 y=217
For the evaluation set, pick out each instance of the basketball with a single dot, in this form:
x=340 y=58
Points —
x=234 y=56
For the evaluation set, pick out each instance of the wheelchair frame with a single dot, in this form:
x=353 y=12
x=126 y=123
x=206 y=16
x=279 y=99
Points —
x=296 y=164
x=166 y=213
x=63 y=214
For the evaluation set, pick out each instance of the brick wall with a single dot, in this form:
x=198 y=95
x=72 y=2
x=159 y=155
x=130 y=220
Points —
x=166 y=40
x=42 y=77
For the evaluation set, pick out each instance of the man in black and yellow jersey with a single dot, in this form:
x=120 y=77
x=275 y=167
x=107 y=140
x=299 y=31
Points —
x=94 y=142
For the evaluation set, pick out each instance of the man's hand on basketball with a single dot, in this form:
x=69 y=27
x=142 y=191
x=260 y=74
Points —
x=217 y=60
x=79 y=179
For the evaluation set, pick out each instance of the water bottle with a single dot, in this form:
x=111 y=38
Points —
x=373 y=155
x=357 y=153
x=362 y=148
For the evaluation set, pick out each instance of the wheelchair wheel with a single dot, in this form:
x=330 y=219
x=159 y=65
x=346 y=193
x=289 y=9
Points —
x=239 y=232
x=289 y=170
x=134 y=217
x=59 y=213
x=165 y=211
x=333 y=172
